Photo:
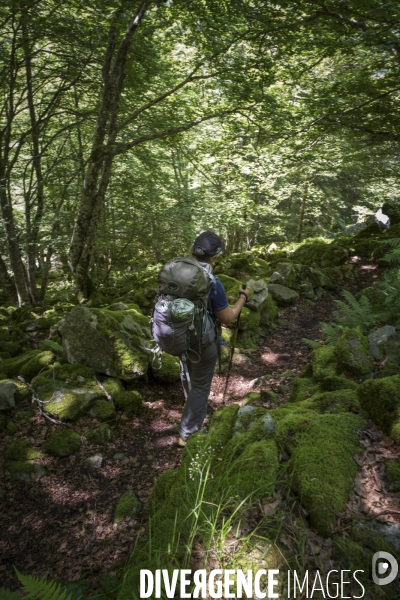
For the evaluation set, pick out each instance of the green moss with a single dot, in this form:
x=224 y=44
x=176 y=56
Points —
x=67 y=403
x=128 y=506
x=250 y=398
x=323 y=467
x=380 y=398
x=20 y=450
x=12 y=367
x=11 y=428
x=22 y=466
x=231 y=287
x=392 y=472
x=303 y=388
x=23 y=416
x=338 y=401
x=103 y=410
x=113 y=386
x=243 y=476
x=222 y=424
x=11 y=347
x=72 y=371
x=170 y=369
x=36 y=364
x=307 y=371
x=249 y=320
x=353 y=556
x=97 y=299
x=270 y=309
x=352 y=353
x=161 y=489
x=130 y=402
x=100 y=435
x=324 y=362
x=330 y=384
x=5 y=355
x=62 y=443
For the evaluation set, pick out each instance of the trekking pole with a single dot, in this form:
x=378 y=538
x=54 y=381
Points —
x=233 y=346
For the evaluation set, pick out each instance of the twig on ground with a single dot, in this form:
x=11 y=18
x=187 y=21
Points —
x=36 y=398
x=103 y=389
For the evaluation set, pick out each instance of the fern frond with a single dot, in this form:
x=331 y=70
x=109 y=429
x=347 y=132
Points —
x=331 y=332
x=355 y=313
x=42 y=589
x=310 y=343
x=393 y=257
x=6 y=594
x=393 y=242
x=50 y=345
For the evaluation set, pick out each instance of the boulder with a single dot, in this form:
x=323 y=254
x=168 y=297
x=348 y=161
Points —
x=111 y=342
x=62 y=443
x=260 y=294
x=351 y=353
x=67 y=402
x=284 y=274
x=379 y=337
x=282 y=295
x=7 y=394
x=128 y=506
x=380 y=398
x=100 y=435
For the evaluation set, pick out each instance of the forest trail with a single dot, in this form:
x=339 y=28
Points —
x=61 y=526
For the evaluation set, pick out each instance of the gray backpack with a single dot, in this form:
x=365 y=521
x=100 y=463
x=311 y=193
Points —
x=182 y=324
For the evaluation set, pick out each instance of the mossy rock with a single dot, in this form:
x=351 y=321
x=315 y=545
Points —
x=12 y=367
x=243 y=477
x=100 y=435
x=103 y=410
x=21 y=450
x=270 y=310
x=321 y=254
x=321 y=466
x=97 y=299
x=11 y=428
x=113 y=386
x=110 y=341
x=303 y=388
x=251 y=398
x=324 y=363
x=130 y=402
x=249 y=320
x=67 y=402
x=36 y=364
x=352 y=353
x=392 y=472
x=62 y=443
x=231 y=287
x=330 y=384
x=70 y=372
x=11 y=347
x=338 y=401
x=23 y=416
x=170 y=369
x=380 y=398
x=128 y=506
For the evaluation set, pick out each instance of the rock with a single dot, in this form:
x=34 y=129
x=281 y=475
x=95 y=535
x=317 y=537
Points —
x=283 y=389
x=386 y=532
x=128 y=506
x=250 y=398
x=40 y=471
x=303 y=388
x=121 y=457
x=62 y=443
x=268 y=396
x=260 y=380
x=241 y=359
x=130 y=402
x=391 y=365
x=100 y=435
x=103 y=410
x=324 y=362
x=282 y=295
x=378 y=337
x=111 y=342
x=380 y=398
x=67 y=402
x=285 y=274
x=7 y=394
x=333 y=383
x=93 y=463
x=118 y=306
x=351 y=353
x=170 y=370
x=268 y=423
x=259 y=298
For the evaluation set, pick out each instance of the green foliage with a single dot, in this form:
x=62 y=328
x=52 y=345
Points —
x=355 y=313
x=392 y=257
x=52 y=346
x=6 y=594
x=35 y=588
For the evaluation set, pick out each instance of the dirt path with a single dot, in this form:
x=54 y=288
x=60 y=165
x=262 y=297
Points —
x=61 y=526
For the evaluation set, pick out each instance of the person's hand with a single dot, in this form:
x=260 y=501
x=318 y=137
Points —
x=246 y=291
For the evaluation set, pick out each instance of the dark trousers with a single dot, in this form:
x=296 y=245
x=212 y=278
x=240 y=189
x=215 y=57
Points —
x=201 y=374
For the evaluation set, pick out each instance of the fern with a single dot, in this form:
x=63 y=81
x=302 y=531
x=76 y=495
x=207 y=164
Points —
x=310 y=343
x=355 y=313
x=393 y=257
x=6 y=594
x=52 y=346
x=331 y=332
x=42 y=589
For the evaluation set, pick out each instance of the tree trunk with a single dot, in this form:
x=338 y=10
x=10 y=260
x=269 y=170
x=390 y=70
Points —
x=7 y=283
x=99 y=167
x=302 y=211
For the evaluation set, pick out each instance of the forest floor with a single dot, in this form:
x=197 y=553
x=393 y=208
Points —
x=61 y=526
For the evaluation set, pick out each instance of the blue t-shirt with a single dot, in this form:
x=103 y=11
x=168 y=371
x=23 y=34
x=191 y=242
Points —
x=218 y=296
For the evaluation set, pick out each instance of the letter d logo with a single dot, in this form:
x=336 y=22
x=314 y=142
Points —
x=383 y=568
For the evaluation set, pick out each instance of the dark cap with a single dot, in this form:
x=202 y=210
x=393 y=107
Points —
x=208 y=242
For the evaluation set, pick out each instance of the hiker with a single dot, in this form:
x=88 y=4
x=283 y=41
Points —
x=206 y=248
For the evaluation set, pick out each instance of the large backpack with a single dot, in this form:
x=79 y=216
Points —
x=181 y=323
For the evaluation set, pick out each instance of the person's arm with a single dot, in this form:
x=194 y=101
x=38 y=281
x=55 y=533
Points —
x=227 y=315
